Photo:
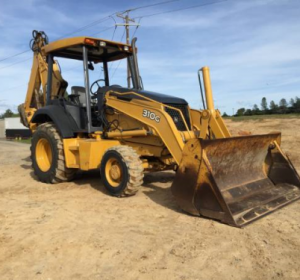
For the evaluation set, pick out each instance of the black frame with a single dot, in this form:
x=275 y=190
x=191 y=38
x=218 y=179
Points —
x=87 y=89
x=49 y=78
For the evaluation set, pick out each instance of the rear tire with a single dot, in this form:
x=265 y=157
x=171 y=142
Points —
x=121 y=171
x=47 y=155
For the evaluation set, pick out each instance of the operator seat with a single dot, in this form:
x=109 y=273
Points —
x=79 y=94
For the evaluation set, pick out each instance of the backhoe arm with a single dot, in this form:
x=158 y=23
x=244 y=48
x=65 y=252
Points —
x=36 y=91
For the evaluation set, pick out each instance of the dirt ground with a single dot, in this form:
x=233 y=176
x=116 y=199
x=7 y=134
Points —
x=76 y=231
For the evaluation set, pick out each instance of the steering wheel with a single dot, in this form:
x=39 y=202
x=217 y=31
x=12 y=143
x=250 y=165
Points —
x=94 y=92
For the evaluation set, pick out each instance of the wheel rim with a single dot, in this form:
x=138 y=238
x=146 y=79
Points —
x=113 y=172
x=43 y=154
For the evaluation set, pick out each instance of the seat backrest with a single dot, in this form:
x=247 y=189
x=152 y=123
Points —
x=80 y=91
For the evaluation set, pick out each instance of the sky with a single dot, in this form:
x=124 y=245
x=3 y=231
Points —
x=251 y=46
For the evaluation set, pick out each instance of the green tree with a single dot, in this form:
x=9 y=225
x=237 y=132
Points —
x=248 y=112
x=255 y=110
x=283 y=103
x=225 y=115
x=240 y=112
x=283 y=106
x=264 y=105
x=297 y=105
x=273 y=107
x=7 y=114
x=292 y=102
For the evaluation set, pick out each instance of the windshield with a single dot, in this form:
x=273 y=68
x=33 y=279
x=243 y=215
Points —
x=72 y=70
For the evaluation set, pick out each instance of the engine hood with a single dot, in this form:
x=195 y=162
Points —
x=159 y=97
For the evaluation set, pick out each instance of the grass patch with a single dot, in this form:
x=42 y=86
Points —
x=263 y=117
x=25 y=141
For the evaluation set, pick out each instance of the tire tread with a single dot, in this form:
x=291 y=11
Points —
x=61 y=173
x=134 y=166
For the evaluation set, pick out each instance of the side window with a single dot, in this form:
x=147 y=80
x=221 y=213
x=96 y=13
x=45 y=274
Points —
x=118 y=72
x=72 y=72
x=97 y=74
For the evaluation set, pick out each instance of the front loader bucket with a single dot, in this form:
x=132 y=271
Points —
x=235 y=180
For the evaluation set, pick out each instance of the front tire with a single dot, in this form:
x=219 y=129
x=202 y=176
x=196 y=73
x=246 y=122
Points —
x=121 y=171
x=47 y=155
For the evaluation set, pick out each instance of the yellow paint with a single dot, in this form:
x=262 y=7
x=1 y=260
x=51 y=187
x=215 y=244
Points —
x=165 y=128
x=77 y=42
x=129 y=133
x=86 y=154
x=208 y=90
x=113 y=172
x=43 y=154
x=38 y=81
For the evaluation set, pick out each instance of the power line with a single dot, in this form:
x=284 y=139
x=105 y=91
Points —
x=111 y=16
x=112 y=38
x=181 y=9
x=151 y=5
x=6 y=90
x=112 y=76
x=18 y=62
x=170 y=11
x=87 y=26
x=64 y=71
x=14 y=55
x=7 y=66
x=103 y=30
x=114 y=61
x=119 y=60
x=95 y=23
x=67 y=70
x=75 y=31
x=136 y=28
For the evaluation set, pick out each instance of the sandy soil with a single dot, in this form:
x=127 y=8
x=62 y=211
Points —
x=76 y=231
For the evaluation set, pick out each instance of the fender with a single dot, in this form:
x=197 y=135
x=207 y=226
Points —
x=64 y=122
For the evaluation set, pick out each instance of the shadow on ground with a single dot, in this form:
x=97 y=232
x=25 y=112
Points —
x=159 y=177
x=91 y=178
x=161 y=195
x=151 y=187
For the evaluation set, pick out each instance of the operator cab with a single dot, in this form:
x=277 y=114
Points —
x=96 y=54
x=84 y=103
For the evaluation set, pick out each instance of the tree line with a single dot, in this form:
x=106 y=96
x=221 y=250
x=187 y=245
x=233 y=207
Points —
x=8 y=114
x=283 y=107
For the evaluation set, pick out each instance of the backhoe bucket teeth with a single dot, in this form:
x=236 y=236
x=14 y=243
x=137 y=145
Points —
x=235 y=180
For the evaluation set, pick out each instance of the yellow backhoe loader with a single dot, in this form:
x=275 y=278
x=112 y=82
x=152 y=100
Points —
x=125 y=132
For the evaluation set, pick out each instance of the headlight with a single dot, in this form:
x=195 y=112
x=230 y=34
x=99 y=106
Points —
x=102 y=44
x=126 y=48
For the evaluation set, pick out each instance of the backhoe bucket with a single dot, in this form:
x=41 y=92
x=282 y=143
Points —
x=235 y=180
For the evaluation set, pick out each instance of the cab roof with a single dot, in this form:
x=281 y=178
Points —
x=99 y=49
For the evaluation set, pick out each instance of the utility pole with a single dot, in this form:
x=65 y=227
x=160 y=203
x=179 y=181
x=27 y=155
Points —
x=127 y=24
